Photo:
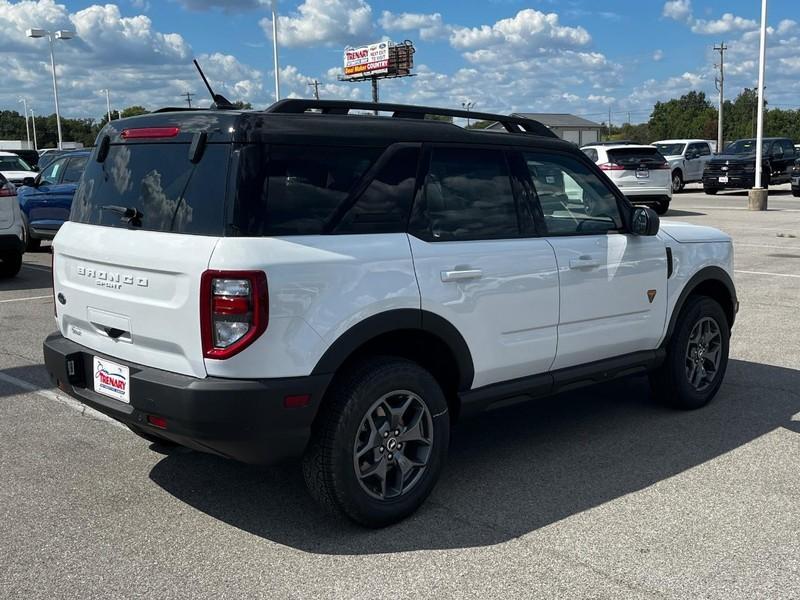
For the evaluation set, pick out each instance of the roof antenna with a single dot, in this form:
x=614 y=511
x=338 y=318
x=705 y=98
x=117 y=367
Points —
x=220 y=101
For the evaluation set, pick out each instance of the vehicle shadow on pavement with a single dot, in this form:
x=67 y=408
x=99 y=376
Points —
x=28 y=279
x=674 y=212
x=34 y=377
x=511 y=471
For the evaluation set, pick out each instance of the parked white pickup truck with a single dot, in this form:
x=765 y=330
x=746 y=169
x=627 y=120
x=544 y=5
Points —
x=687 y=159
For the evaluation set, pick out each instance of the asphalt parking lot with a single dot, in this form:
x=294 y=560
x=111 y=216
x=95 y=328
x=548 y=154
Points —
x=596 y=494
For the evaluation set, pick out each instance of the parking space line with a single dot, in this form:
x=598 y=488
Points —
x=768 y=274
x=36 y=268
x=24 y=299
x=735 y=245
x=56 y=397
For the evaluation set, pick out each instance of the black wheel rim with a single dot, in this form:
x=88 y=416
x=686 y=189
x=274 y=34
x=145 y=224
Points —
x=703 y=354
x=393 y=445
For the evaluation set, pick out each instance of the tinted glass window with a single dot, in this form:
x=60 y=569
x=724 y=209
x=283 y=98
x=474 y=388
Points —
x=705 y=149
x=571 y=196
x=13 y=163
x=384 y=206
x=74 y=169
x=158 y=180
x=467 y=196
x=672 y=149
x=788 y=148
x=52 y=173
x=295 y=190
x=591 y=153
x=633 y=157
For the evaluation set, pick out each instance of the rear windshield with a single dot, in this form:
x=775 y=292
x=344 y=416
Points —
x=636 y=156
x=160 y=182
x=671 y=149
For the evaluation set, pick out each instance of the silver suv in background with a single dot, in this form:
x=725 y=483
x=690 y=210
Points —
x=639 y=171
x=687 y=159
x=11 y=244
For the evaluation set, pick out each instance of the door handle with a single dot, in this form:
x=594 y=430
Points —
x=584 y=262
x=461 y=275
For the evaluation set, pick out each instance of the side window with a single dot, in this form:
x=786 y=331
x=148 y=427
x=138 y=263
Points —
x=467 y=196
x=788 y=149
x=74 y=169
x=572 y=198
x=705 y=149
x=384 y=205
x=693 y=150
x=296 y=190
x=591 y=153
x=52 y=173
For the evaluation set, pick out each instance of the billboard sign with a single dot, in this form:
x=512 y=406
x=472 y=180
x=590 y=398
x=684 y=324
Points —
x=366 y=61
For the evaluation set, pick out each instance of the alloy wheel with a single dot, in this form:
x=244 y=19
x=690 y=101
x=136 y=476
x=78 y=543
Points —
x=703 y=353
x=393 y=445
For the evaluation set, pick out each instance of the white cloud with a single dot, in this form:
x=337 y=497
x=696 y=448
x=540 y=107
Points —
x=726 y=24
x=680 y=10
x=324 y=22
x=658 y=55
x=430 y=26
x=524 y=33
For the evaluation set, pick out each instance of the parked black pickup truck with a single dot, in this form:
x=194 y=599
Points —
x=736 y=167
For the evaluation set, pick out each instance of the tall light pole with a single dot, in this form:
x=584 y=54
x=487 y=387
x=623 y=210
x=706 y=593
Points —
x=33 y=120
x=758 y=195
x=61 y=34
x=27 y=126
x=720 y=81
x=468 y=106
x=108 y=104
x=272 y=4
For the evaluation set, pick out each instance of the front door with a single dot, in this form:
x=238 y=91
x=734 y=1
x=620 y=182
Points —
x=480 y=265
x=613 y=285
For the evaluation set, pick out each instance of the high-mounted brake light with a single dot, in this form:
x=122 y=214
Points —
x=150 y=132
x=234 y=311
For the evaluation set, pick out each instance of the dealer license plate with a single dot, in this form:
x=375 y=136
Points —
x=112 y=380
x=643 y=173
x=723 y=179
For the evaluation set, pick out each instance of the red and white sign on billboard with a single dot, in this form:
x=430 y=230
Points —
x=366 y=61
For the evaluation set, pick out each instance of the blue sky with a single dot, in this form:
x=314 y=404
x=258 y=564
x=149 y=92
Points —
x=579 y=56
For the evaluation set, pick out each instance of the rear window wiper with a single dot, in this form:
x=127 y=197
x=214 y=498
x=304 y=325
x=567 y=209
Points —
x=130 y=215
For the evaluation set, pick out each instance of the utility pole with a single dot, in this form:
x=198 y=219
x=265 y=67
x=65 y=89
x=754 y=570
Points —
x=188 y=96
x=275 y=62
x=720 y=83
x=609 y=122
x=315 y=85
x=27 y=127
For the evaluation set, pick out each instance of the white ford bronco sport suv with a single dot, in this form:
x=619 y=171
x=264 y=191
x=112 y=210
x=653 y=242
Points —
x=301 y=281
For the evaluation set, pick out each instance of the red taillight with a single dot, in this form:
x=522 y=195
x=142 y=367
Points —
x=150 y=132
x=609 y=166
x=660 y=167
x=234 y=311
x=155 y=421
x=8 y=190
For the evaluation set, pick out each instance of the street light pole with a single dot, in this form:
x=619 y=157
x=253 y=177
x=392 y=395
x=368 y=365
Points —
x=27 y=126
x=468 y=106
x=275 y=50
x=758 y=195
x=33 y=120
x=58 y=35
x=108 y=104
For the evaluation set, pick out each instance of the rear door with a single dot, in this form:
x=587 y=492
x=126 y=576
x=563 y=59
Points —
x=480 y=265
x=612 y=284
x=131 y=286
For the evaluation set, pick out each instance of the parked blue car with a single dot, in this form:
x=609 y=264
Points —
x=46 y=200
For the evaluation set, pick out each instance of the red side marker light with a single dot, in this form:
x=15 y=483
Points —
x=155 y=421
x=150 y=132
x=296 y=401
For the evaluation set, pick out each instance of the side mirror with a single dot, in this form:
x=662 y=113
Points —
x=644 y=221
x=35 y=168
x=29 y=181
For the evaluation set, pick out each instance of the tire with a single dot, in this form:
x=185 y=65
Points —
x=10 y=264
x=153 y=439
x=796 y=193
x=662 y=207
x=710 y=191
x=351 y=424
x=677 y=182
x=31 y=245
x=675 y=382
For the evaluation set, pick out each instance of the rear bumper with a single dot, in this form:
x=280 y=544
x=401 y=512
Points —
x=11 y=243
x=241 y=419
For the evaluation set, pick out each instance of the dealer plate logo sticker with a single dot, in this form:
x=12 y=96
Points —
x=112 y=380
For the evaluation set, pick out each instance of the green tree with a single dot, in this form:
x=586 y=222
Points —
x=691 y=115
x=134 y=111
x=242 y=105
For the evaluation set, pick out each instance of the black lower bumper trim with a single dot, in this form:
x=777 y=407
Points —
x=241 y=419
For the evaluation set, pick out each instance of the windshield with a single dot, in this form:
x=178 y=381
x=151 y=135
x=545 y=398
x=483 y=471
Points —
x=746 y=147
x=670 y=149
x=13 y=163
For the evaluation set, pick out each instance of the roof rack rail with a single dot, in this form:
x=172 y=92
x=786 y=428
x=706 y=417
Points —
x=407 y=111
x=176 y=109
